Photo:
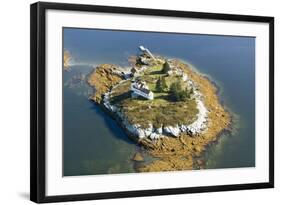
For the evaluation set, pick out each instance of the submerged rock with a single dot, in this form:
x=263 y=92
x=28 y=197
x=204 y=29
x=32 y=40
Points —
x=138 y=157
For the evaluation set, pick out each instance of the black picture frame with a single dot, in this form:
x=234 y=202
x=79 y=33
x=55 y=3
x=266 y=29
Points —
x=38 y=101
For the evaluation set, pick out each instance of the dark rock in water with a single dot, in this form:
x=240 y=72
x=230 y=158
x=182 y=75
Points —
x=138 y=157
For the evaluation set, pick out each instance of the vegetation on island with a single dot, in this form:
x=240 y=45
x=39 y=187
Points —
x=161 y=85
x=172 y=103
x=179 y=93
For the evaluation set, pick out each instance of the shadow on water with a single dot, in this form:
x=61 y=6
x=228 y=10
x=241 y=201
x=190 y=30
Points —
x=111 y=124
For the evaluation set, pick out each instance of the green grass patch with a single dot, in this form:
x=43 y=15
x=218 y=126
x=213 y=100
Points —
x=152 y=70
x=159 y=112
x=120 y=92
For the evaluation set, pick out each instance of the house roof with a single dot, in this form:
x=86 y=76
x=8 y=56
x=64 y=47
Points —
x=144 y=90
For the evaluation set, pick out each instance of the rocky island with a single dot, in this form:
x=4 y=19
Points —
x=66 y=59
x=165 y=105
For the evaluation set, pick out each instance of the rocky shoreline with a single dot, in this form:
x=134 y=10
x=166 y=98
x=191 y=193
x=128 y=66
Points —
x=188 y=141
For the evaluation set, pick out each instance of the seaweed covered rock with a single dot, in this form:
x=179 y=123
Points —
x=102 y=79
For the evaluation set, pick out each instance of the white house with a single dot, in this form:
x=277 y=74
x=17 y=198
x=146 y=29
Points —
x=139 y=88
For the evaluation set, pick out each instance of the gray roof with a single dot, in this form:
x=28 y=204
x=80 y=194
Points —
x=144 y=90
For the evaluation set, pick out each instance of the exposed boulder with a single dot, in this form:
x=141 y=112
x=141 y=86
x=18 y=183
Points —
x=159 y=130
x=174 y=131
x=154 y=136
x=183 y=128
x=148 y=131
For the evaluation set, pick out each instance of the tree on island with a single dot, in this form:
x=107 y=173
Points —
x=161 y=85
x=179 y=93
x=166 y=67
x=164 y=84
x=191 y=91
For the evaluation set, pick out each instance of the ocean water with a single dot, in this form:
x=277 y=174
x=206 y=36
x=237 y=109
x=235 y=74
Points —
x=95 y=144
